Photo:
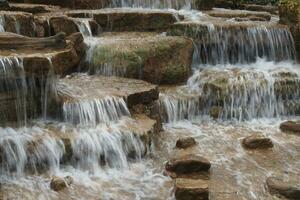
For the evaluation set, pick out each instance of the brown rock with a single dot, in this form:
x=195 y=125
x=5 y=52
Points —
x=286 y=189
x=79 y=4
x=215 y=111
x=18 y=22
x=121 y=19
x=257 y=142
x=184 y=143
x=32 y=8
x=63 y=24
x=188 y=164
x=290 y=126
x=239 y=14
x=154 y=58
x=204 y=4
x=58 y=184
x=189 y=189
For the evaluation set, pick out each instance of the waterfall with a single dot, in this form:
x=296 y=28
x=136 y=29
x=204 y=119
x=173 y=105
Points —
x=2 y=23
x=160 y=4
x=236 y=44
x=94 y=111
x=84 y=26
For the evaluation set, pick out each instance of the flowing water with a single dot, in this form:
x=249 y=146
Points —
x=248 y=74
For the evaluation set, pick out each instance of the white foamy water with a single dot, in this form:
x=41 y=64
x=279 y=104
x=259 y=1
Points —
x=2 y=24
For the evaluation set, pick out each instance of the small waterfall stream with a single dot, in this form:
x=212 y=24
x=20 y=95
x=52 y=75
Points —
x=245 y=80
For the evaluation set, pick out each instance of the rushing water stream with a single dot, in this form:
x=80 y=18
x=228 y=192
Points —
x=248 y=73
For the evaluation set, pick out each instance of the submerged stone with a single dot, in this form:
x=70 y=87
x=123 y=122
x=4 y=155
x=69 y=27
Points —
x=155 y=58
x=186 y=142
x=188 y=164
x=257 y=142
x=189 y=189
x=57 y=184
x=290 y=126
x=289 y=190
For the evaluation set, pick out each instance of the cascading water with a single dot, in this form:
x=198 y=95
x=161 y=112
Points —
x=161 y=4
x=2 y=24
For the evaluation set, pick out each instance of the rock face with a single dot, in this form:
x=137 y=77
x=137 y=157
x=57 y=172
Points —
x=122 y=19
x=290 y=126
x=63 y=24
x=289 y=12
x=188 y=164
x=257 y=142
x=186 y=142
x=18 y=22
x=58 y=184
x=32 y=8
x=155 y=58
x=189 y=189
x=286 y=189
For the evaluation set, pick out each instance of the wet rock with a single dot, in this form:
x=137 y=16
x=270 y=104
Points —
x=188 y=164
x=18 y=42
x=121 y=19
x=239 y=14
x=289 y=12
x=204 y=4
x=188 y=189
x=215 y=112
x=290 y=126
x=155 y=58
x=279 y=187
x=42 y=26
x=186 y=142
x=4 y=5
x=18 y=22
x=57 y=184
x=264 y=8
x=63 y=24
x=79 y=4
x=257 y=142
x=32 y=8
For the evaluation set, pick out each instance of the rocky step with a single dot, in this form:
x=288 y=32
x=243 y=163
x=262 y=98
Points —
x=65 y=144
x=17 y=22
x=130 y=19
x=191 y=189
x=57 y=53
x=32 y=8
x=82 y=97
x=149 y=56
x=223 y=13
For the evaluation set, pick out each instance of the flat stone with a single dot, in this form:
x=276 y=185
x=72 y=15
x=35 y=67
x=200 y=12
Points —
x=290 y=126
x=33 y=8
x=257 y=142
x=188 y=164
x=124 y=19
x=155 y=58
x=238 y=14
x=78 y=4
x=289 y=190
x=190 y=189
x=186 y=142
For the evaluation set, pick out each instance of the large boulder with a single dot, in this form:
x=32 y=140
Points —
x=186 y=142
x=289 y=190
x=155 y=58
x=189 y=189
x=63 y=24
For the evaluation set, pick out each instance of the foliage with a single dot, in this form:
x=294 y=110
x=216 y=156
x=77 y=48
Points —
x=291 y=5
